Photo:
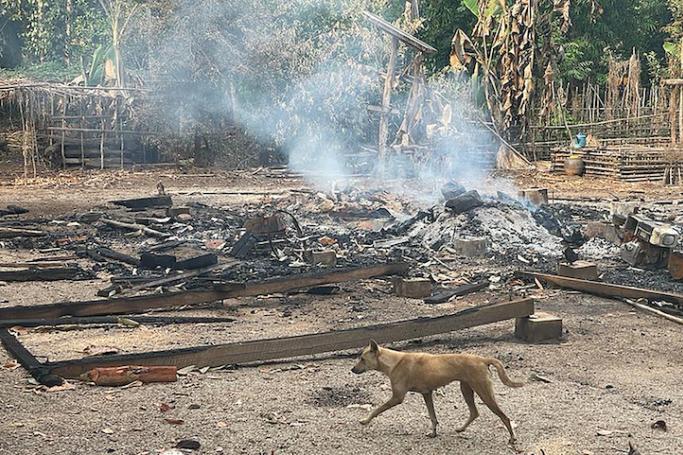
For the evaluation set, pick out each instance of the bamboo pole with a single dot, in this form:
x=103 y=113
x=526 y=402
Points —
x=680 y=100
x=102 y=146
x=63 y=131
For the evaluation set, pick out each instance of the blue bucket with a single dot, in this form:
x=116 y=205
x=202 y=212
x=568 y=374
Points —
x=580 y=140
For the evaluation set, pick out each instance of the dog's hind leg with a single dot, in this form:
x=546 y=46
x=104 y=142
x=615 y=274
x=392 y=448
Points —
x=485 y=391
x=395 y=400
x=468 y=395
x=432 y=415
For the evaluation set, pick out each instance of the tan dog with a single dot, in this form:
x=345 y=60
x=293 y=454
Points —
x=424 y=373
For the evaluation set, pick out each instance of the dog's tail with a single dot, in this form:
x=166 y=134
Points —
x=502 y=374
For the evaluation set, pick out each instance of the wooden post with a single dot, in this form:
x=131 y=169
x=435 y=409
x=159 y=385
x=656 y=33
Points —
x=680 y=100
x=82 y=144
x=102 y=146
x=386 y=100
x=63 y=131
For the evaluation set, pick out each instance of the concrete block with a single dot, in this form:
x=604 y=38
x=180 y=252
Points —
x=538 y=327
x=413 y=288
x=602 y=230
x=582 y=270
x=471 y=246
x=327 y=258
x=537 y=196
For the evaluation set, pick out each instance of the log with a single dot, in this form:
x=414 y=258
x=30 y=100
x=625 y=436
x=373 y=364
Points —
x=118 y=376
x=141 y=304
x=135 y=227
x=145 y=202
x=42 y=274
x=302 y=345
x=9 y=233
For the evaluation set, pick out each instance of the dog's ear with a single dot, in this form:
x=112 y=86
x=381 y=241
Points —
x=374 y=347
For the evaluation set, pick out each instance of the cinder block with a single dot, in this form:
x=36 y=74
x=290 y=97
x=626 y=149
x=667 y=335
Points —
x=537 y=196
x=327 y=258
x=471 y=247
x=538 y=327
x=603 y=230
x=582 y=270
x=413 y=288
x=675 y=265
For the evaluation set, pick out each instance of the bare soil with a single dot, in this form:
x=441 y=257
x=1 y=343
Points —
x=615 y=372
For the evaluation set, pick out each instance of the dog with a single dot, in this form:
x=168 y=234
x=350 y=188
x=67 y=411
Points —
x=424 y=373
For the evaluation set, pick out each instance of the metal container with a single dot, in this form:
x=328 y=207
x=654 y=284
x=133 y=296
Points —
x=574 y=165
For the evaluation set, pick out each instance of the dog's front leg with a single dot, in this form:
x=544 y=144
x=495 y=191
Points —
x=432 y=415
x=396 y=399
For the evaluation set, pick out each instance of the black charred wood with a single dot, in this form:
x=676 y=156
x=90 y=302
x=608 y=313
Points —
x=465 y=202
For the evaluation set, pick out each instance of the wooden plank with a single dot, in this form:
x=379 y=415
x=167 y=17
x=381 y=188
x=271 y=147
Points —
x=103 y=320
x=605 y=289
x=399 y=34
x=302 y=345
x=145 y=202
x=42 y=274
x=8 y=233
x=141 y=304
x=135 y=227
x=39 y=371
x=444 y=295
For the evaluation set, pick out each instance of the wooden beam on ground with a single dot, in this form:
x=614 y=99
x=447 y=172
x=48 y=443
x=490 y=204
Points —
x=444 y=295
x=141 y=304
x=27 y=360
x=145 y=202
x=104 y=320
x=42 y=274
x=135 y=227
x=302 y=345
x=9 y=233
x=604 y=289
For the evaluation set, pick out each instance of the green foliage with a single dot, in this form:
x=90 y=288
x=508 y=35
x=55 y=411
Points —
x=56 y=30
x=620 y=27
x=441 y=19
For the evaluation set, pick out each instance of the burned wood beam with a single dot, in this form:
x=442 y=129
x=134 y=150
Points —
x=604 y=289
x=108 y=320
x=444 y=295
x=145 y=202
x=9 y=233
x=38 y=370
x=117 y=256
x=302 y=345
x=141 y=304
x=43 y=274
x=135 y=227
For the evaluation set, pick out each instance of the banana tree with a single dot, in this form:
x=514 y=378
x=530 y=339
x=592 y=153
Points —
x=502 y=56
x=119 y=13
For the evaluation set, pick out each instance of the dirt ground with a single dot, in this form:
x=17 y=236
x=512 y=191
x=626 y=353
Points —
x=615 y=372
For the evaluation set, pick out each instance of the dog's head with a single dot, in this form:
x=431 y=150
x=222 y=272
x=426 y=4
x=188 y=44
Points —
x=369 y=359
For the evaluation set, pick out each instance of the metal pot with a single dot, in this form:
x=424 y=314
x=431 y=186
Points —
x=574 y=165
